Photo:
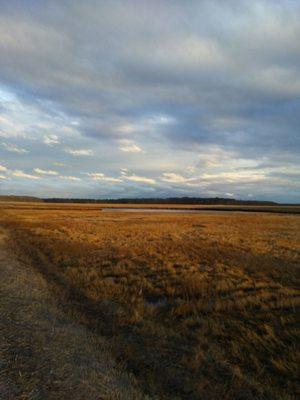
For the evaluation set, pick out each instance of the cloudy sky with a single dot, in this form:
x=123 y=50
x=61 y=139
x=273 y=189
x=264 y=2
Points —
x=150 y=98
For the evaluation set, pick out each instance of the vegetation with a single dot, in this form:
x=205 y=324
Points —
x=33 y=331
x=168 y=201
x=196 y=306
x=195 y=201
x=19 y=198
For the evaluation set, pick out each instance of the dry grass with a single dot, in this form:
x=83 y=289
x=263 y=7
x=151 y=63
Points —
x=196 y=306
x=45 y=351
x=27 y=205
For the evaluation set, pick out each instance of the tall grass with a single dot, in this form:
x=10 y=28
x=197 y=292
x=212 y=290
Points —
x=196 y=306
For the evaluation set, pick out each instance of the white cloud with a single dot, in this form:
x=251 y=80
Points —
x=45 y=172
x=79 y=152
x=3 y=177
x=2 y=168
x=20 y=174
x=112 y=180
x=191 y=169
x=124 y=171
x=215 y=157
x=126 y=128
x=173 y=178
x=99 y=176
x=59 y=164
x=234 y=177
x=129 y=146
x=14 y=149
x=141 y=179
x=8 y=128
x=69 y=178
x=51 y=139
x=148 y=124
x=96 y=175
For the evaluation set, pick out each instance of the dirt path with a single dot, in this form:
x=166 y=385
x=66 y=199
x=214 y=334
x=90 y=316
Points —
x=46 y=354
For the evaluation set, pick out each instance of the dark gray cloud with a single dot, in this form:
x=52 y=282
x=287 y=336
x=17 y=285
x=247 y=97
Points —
x=211 y=87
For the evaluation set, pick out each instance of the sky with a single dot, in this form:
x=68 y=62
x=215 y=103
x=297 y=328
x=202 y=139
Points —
x=107 y=99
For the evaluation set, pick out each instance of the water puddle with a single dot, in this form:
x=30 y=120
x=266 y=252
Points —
x=160 y=210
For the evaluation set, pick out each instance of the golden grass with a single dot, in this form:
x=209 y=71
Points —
x=197 y=306
x=45 y=351
x=40 y=205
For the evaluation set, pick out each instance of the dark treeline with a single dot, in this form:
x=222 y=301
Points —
x=170 y=200
x=20 y=198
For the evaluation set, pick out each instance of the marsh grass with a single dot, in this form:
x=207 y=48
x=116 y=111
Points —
x=195 y=306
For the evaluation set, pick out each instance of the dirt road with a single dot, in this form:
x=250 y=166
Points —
x=44 y=352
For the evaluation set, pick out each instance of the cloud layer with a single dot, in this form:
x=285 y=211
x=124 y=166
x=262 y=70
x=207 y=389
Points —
x=138 y=98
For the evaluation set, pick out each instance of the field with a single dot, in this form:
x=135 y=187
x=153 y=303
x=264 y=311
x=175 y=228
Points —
x=193 y=306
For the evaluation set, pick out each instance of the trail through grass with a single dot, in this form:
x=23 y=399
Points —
x=46 y=353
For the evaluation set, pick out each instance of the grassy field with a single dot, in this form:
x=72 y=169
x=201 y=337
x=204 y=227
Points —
x=195 y=306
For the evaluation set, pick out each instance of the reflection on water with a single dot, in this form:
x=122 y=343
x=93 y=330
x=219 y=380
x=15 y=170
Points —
x=160 y=210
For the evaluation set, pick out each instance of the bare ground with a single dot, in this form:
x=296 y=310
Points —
x=44 y=352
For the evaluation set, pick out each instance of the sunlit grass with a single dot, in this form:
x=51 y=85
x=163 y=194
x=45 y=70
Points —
x=197 y=306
